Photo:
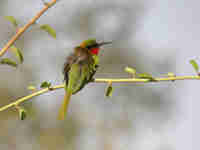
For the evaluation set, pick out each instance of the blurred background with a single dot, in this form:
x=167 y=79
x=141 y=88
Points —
x=152 y=36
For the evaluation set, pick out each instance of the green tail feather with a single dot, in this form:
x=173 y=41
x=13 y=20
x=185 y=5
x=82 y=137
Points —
x=64 y=107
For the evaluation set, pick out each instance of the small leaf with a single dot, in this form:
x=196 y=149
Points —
x=18 y=53
x=22 y=113
x=171 y=74
x=12 y=20
x=146 y=76
x=195 y=65
x=109 y=91
x=45 y=84
x=49 y=30
x=130 y=70
x=32 y=88
x=8 y=62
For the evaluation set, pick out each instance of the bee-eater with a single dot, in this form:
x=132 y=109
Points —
x=79 y=70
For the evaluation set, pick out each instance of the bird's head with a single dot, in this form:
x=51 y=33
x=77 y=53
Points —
x=93 y=46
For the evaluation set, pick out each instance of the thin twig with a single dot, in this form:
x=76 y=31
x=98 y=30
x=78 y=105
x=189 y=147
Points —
x=23 y=99
x=140 y=80
x=101 y=80
x=23 y=29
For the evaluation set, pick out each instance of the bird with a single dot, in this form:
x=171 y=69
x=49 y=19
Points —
x=79 y=69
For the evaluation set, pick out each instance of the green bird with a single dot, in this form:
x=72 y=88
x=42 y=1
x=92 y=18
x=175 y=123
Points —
x=79 y=70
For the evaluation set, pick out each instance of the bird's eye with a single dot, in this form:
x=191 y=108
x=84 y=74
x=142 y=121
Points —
x=89 y=46
x=92 y=46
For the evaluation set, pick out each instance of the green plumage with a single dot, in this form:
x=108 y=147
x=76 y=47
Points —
x=79 y=76
x=79 y=70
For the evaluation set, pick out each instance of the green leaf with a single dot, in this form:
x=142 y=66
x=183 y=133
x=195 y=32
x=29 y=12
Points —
x=12 y=20
x=130 y=70
x=8 y=62
x=31 y=88
x=146 y=76
x=45 y=84
x=109 y=91
x=22 y=113
x=49 y=30
x=18 y=53
x=195 y=65
x=171 y=74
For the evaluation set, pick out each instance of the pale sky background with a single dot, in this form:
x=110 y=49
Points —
x=152 y=36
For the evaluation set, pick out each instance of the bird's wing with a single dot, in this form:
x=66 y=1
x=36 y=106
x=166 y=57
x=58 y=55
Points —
x=78 y=76
x=69 y=61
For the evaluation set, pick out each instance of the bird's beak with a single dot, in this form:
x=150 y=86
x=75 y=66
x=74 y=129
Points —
x=104 y=43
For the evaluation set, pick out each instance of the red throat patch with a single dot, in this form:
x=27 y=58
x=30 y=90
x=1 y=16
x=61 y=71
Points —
x=95 y=51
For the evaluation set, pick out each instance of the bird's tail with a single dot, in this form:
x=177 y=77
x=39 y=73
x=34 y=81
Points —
x=64 y=107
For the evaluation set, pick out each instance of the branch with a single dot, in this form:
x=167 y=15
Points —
x=100 y=80
x=25 y=98
x=140 y=80
x=23 y=29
